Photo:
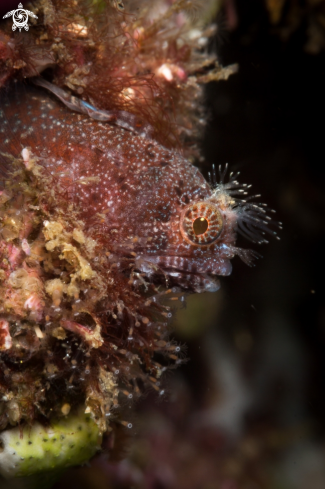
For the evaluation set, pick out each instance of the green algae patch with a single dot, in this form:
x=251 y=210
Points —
x=69 y=441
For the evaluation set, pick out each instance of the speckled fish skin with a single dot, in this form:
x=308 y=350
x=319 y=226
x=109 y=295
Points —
x=134 y=204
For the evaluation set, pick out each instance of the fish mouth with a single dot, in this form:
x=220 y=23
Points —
x=187 y=265
x=183 y=272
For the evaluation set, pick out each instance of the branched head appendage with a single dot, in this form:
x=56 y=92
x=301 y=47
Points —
x=252 y=218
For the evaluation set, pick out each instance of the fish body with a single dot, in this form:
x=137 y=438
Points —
x=130 y=191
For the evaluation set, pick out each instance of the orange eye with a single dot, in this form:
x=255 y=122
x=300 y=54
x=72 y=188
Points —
x=201 y=223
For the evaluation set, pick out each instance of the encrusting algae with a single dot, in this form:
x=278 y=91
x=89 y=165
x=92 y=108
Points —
x=102 y=216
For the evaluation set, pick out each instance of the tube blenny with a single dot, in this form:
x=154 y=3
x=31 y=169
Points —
x=96 y=223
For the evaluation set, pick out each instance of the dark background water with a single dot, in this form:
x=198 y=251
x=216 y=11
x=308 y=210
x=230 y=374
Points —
x=268 y=122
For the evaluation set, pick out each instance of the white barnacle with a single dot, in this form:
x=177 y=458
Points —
x=6 y=341
x=25 y=246
x=26 y=154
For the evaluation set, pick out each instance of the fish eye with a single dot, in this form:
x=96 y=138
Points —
x=201 y=223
